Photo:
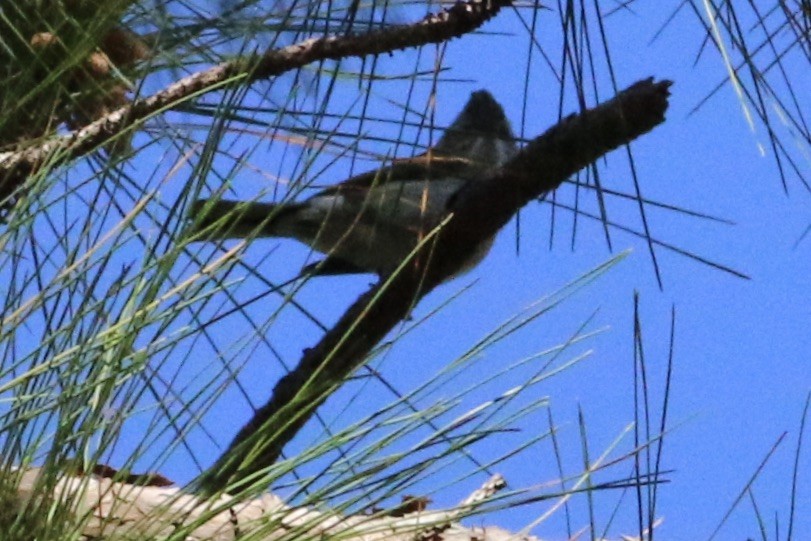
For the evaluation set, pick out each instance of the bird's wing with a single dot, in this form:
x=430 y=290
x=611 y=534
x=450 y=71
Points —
x=332 y=266
x=420 y=167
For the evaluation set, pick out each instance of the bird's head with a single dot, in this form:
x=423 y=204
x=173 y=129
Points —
x=481 y=133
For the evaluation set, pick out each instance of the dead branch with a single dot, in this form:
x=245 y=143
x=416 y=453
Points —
x=110 y=509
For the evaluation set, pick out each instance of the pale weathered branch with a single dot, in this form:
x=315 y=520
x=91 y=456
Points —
x=462 y=17
x=108 y=509
x=477 y=213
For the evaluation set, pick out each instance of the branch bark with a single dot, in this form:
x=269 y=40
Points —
x=462 y=17
x=106 y=509
x=477 y=213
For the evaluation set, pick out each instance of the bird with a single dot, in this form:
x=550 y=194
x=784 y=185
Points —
x=371 y=222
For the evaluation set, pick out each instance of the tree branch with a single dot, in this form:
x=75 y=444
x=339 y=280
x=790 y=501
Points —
x=108 y=508
x=477 y=213
x=462 y=17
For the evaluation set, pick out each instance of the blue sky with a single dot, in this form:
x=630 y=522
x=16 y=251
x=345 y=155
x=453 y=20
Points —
x=741 y=353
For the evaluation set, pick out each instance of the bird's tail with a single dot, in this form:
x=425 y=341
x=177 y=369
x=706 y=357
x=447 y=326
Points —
x=223 y=219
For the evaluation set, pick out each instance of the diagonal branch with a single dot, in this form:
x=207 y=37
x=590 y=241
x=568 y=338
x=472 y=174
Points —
x=462 y=17
x=477 y=213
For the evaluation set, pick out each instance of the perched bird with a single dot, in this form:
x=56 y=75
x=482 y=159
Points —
x=371 y=222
